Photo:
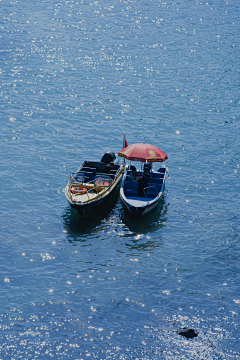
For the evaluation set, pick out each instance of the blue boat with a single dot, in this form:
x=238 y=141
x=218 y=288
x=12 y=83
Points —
x=139 y=199
x=91 y=186
x=142 y=190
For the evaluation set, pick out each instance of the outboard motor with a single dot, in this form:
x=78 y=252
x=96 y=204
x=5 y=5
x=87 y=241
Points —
x=108 y=157
x=147 y=167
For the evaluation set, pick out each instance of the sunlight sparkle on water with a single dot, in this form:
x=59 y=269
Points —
x=104 y=285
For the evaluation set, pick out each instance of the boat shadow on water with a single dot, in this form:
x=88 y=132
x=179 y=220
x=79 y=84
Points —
x=79 y=227
x=152 y=221
x=82 y=225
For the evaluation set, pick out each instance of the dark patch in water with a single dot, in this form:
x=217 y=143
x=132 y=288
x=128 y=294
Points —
x=187 y=332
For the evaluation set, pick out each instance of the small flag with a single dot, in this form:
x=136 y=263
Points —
x=124 y=142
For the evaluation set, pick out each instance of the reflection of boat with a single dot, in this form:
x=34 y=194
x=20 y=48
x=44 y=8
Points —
x=91 y=222
x=91 y=186
x=150 y=223
x=142 y=191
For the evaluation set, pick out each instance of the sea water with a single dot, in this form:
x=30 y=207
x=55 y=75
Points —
x=74 y=77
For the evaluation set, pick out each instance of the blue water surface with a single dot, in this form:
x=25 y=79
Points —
x=74 y=77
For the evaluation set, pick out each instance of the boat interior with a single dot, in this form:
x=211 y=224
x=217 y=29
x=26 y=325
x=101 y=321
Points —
x=136 y=191
x=90 y=180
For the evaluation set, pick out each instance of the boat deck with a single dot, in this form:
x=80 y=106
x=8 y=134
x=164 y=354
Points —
x=86 y=196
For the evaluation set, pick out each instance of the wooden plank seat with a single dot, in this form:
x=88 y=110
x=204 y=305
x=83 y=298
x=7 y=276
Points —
x=83 y=176
x=88 y=186
x=111 y=176
x=99 y=166
x=89 y=170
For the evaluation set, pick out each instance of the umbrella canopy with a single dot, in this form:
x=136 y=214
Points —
x=143 y=152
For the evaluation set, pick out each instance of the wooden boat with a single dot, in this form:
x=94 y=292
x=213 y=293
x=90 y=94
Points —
x=90 y=187
x=143 y=192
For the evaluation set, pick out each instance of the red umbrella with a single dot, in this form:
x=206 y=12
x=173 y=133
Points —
x=143 y=152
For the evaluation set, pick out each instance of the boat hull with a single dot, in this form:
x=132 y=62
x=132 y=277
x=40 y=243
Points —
x=138 y=211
